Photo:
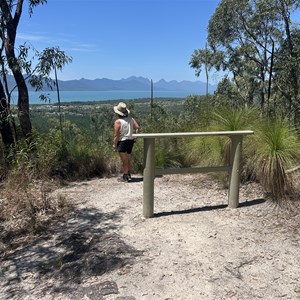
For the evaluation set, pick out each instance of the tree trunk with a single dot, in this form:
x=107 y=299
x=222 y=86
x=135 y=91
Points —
x=250 y=95
x=5 y=129
x=294 y=71
x=23 y=105
x=23 y=100
x=9 y=44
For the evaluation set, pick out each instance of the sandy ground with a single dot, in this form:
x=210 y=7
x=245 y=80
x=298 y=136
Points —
x=194 y=248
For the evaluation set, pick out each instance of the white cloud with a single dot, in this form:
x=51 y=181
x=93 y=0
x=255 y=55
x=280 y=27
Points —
x=31 y=37
x=64 y=42
x=80 y=47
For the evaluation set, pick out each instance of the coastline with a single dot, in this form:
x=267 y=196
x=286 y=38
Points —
x=93 y=96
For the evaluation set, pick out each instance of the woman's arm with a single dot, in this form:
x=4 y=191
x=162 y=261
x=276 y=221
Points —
x=117 y=127
x=136 y=126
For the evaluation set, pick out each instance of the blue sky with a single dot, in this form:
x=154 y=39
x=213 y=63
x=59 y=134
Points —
x=119 y=38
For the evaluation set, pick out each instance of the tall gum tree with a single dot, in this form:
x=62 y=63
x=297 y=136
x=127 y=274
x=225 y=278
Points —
x=245 y=38
x=290 y=56
x=11 y=12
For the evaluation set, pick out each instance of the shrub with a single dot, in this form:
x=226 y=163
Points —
x=25 y=204
x=274 y=149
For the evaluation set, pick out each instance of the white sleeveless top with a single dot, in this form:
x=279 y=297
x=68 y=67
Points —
x=126 y=129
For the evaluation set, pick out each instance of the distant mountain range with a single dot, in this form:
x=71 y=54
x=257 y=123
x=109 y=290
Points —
x=132 y=83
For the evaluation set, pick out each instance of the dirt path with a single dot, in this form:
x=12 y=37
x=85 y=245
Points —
x=194 y=248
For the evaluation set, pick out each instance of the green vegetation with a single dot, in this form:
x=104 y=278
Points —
x=255 y=42
x=83 y=148
x=277 y=151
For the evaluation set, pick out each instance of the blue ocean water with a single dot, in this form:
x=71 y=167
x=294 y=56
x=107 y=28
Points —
x=70 y=96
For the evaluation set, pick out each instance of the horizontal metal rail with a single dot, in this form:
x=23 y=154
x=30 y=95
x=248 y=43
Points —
x=192 y=134
x=192 y=170
x=150 y=170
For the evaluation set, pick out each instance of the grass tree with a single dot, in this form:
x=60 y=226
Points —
x=276 y=147
x=227 y=119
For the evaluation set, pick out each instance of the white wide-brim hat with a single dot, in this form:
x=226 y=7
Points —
x=121 y=109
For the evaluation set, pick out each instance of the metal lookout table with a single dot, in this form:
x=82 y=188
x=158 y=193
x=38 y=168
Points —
x=150 y=170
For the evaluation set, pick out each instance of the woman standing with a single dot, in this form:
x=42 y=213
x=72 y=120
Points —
x=124 y=127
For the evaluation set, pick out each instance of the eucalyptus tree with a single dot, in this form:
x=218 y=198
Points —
x=49 y=59
x=11 y=12
x=202 y=57
x=15 y=59
x=287 y=67
x=287 y=76
x=244 y=38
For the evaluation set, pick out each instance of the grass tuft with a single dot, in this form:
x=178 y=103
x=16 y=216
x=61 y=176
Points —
x=277 y=151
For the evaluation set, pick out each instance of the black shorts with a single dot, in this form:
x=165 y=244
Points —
x=125 y=146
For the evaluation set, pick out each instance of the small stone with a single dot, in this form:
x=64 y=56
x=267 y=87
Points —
x=297 y=289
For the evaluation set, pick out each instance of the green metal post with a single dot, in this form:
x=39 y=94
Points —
x=235 y=172
x=149 y=174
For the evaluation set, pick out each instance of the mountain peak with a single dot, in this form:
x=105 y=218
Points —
x=132 y=83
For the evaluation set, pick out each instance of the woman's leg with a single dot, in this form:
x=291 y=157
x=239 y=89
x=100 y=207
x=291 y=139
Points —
x=125 y=162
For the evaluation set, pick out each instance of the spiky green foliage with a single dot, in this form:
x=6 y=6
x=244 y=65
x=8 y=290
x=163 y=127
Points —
x=227 y=119
x=234 y=119
x=275 y=148
x=204 y=151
